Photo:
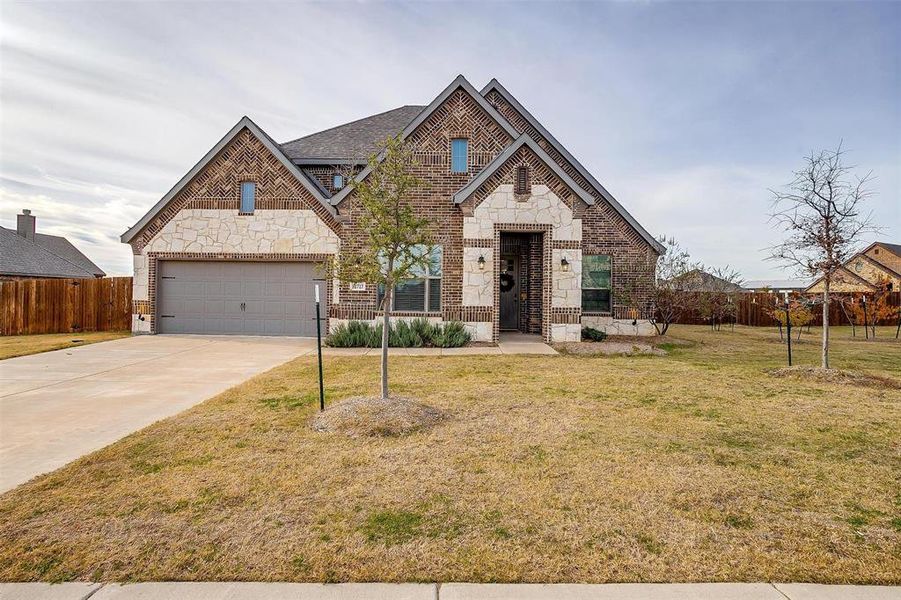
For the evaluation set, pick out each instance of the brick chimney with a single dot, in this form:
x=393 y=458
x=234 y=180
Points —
x=25 y=224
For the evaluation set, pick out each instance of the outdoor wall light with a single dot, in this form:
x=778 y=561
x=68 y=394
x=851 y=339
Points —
x=481 y=263
x=564 y=265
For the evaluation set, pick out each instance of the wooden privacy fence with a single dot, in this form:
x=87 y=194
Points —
x=753 y=309
x=32 y=306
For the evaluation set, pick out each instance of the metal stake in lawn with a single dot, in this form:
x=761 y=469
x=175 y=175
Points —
x=788 y=328
x=319 y=351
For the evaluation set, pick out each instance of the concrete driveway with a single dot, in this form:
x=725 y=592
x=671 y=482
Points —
x=58 y=406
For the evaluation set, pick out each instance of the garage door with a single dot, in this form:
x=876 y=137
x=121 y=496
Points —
x=241 y=298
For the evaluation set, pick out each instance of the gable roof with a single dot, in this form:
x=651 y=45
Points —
x=27 y=258
x=894 y=248
x=494 y=84
x=351 y=142
x=64 y=249
x=458 y=82
x=184 y=181
x=523 y=140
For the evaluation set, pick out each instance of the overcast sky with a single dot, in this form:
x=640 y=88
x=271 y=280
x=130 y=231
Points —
x=687 y=113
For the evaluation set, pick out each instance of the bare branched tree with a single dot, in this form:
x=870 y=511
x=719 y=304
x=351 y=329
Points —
x=669 y=299
x=821 y=213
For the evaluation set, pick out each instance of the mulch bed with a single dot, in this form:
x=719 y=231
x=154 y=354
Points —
x=836 y=376
x=373 y=416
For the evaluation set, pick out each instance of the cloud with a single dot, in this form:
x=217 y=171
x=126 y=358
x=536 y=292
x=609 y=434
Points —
x=686 y=112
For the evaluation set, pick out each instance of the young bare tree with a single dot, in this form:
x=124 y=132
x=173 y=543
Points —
x=821 y=213
x=669 y=300
x=397 y=245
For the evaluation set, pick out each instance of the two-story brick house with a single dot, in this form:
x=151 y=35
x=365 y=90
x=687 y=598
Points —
x=527 y=239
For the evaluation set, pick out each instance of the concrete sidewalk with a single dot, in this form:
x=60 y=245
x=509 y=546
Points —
x=447 y=591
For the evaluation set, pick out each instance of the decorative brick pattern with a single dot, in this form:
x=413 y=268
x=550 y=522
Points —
x=458 y=116
x=218 y=186
x=604 y=231
x=545 y=218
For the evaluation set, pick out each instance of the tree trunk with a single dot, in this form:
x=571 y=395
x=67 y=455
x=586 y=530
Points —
x=389 y=290
x=825 y=361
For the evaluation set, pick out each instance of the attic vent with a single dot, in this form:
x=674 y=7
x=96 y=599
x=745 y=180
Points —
x=521 y=185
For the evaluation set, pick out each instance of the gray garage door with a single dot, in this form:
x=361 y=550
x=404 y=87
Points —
x=246 y=298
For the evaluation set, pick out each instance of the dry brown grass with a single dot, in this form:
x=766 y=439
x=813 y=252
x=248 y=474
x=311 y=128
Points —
x=696 y=466
x=22 y=345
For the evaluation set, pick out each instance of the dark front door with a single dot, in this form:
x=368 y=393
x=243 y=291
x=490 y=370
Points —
x=509 y=292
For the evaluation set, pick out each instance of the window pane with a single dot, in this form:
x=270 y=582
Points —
x=248 y=196
x=459 y=155
x=435 y=262
x=410 y=296
x=596 y=271
x=337 y=182
x=434 y=295
x=596 y=300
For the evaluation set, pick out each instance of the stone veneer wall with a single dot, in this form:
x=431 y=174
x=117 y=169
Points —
x=541 y=211
x=202 y=221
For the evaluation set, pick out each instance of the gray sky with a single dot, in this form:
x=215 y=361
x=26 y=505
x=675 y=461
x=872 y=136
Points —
x=686 y=112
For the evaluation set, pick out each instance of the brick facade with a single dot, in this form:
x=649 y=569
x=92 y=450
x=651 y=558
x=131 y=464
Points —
x=542 y=219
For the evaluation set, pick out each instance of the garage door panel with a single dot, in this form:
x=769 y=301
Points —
x=207 y=297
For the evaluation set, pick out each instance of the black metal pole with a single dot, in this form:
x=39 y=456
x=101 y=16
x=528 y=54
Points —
x=319 y=352
x=866 y=326
x=788 y=328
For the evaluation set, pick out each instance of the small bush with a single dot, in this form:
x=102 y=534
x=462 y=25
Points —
x=416 y=333
x=594 y=335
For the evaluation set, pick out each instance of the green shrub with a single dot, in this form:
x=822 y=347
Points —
x=592 y=334
x=415 y=333
x=452 y=335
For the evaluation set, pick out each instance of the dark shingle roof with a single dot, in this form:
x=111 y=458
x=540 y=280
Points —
x=63 y=248
x=896 y=248
x=46 y=256
x=352 y=141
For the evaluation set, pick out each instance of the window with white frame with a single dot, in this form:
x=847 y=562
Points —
x=337 y=181
x=596 y=283
x=422 y=294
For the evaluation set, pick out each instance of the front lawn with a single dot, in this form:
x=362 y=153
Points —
x=22 y=345
x=696 y=466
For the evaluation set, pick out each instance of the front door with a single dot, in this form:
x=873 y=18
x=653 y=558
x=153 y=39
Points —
x=509 y=292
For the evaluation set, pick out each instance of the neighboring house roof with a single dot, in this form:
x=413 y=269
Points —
x=523 y=140
x=775 y=284
x=46 y=256
x=352 y=142
x=701 y=281
x=896 y=248
x=265 y=139
x=494 y=84
x=893 y=248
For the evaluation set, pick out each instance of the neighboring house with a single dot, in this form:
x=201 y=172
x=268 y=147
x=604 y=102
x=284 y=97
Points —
x=528 y=239
x=775 y=285
x=878 y=262
x=26 y=254
x=701 y=281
